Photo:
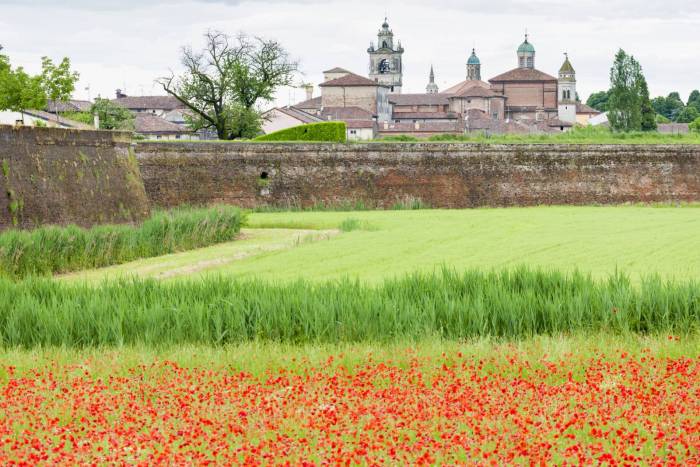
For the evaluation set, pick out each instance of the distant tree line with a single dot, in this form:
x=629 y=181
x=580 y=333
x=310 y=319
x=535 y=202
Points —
x=629 y=107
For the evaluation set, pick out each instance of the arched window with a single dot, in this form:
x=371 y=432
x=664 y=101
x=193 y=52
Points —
x=385 y=45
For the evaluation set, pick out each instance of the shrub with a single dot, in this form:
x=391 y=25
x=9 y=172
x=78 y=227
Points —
x=331 y=132
x=695 y=125
x=51 y=249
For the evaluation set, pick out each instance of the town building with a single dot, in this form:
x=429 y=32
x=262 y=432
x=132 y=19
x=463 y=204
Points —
x=386 y=60
x=156 y=105
x=153 y=127
x=41 y=118
x=521 y=100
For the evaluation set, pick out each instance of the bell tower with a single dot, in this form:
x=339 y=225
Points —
x=386 y=60
x=474 y=67
x=567 y=92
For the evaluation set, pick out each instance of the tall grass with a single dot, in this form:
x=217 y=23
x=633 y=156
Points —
x=216 y=311
x=49 y=250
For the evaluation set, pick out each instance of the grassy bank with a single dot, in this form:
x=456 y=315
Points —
x=217 y=311
x=50 y=250
x=637 y=240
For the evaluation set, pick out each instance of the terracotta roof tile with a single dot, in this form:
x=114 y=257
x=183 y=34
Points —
x=314 y=103
x=346 y=113
x=464 y=85
x=149 y=102
x=299 y=114
x=419 y=99
x=522 y=74
x=359 y=124
x=351 y=80
x=584 y=109
x=149 y=123
x=425 y=115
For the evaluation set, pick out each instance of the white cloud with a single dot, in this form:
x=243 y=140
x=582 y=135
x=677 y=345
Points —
x=130 y=43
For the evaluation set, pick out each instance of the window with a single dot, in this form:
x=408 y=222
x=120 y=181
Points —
x=353 y=132
x=495 y=115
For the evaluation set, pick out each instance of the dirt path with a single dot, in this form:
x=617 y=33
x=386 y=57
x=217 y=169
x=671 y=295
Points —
x=250 y=243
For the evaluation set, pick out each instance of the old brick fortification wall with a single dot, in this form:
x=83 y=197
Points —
x=56 y=176
x=442 y=175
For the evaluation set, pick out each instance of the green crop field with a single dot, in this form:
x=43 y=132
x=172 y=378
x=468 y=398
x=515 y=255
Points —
x=376 y=245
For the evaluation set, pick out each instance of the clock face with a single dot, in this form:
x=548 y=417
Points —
x=384 y=66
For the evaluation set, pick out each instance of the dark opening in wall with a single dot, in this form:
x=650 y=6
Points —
x=263 y=176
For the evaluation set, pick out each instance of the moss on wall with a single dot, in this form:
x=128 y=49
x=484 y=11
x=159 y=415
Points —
x=56 y=176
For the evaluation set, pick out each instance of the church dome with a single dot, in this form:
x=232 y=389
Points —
x=473 y=60
x=526 y=47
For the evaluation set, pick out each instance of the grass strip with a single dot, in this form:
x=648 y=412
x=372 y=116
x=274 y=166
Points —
x=448 y=305
x=52 y=249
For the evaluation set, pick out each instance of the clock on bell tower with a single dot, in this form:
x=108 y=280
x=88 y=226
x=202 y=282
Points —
x=385 y=60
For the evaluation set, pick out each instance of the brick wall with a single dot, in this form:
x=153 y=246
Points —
x=443 y=175
x=56 y=176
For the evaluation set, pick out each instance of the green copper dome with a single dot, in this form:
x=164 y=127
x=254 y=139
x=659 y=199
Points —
x=473 y=60
x=526 y=47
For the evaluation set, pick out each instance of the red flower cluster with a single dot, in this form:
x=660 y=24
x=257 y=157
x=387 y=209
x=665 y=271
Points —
x=454 y=410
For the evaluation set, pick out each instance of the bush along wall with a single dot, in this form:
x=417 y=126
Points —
x=331 y=132
x=51 y=249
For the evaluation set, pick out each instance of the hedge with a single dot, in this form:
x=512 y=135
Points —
x=332 y=132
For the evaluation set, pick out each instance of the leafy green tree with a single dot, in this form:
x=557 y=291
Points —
x=694 y=100
x=648 y=112
x=112 y=116
x=661 y=119
x=19 y=91
x=688 y=115
x=669 y=106
x=58 y=81
x=599 y=101
x=695 y=125
x=625 y=103
x=223 y=84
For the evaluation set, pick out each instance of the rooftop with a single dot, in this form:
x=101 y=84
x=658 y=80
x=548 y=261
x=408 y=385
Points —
x=314 y=103
x=419 y=99
x=351 y=80
x=346 y=113
x=522 y=74
x=149 y=102
x=149 y=123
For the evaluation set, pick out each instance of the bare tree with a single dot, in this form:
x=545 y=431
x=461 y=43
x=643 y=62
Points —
x=223 y=83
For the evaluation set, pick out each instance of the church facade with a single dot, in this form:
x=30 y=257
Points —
x=521 y=100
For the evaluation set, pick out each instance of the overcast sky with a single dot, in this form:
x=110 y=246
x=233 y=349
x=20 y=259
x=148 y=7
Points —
x=129 y=43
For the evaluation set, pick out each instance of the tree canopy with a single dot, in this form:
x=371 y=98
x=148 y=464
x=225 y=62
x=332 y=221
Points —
x=627 y=93
x=58 y=81
x=599 y=100
x=688 y=115
x=224 y=82
x=112 y=116
x=20 y=91
x=669 y=106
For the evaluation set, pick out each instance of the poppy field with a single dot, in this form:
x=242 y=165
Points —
x=564 y=401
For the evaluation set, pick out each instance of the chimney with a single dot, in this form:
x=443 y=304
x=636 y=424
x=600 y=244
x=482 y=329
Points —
x=309 y=91
x=120 y=94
